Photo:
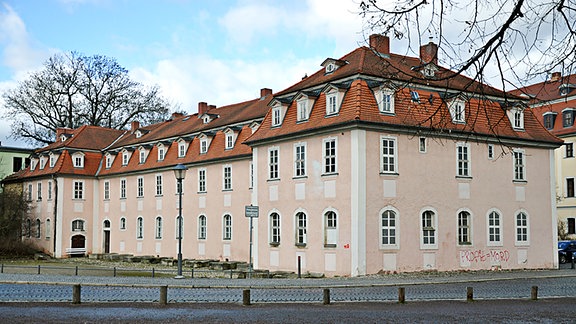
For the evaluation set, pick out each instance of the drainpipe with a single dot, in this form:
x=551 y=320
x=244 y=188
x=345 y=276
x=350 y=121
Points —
x=55 y=188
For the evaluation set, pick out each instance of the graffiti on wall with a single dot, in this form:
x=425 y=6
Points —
x=478 y=256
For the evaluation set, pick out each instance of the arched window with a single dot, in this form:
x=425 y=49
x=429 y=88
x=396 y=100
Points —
x=274 y=229
x=202 y=227
x=300 y=229
x=158 y=227
x=48 y=229
x=429 y=223
x=139 y=228
x=494 y=228
x=330 y=229
x=77 y=225
x=106 y=224
x=522 y=229
x=37 y=228
x=227 y=227
x=464 y=228
x=123 y=223
x=27 y=228
x=388 y=223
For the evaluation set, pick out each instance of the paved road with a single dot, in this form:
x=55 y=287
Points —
x=433 y=286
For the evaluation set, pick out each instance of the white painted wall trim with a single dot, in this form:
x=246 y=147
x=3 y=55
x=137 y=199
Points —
x=96 y=220
x=358 y=202
x=59 y=217
x=553 y=210
x=254 y=202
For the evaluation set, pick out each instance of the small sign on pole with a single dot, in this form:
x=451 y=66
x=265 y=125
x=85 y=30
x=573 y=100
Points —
x=251 y=211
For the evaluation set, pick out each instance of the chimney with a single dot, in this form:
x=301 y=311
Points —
x=429 y=53
x=210 y=107
x=202 y=108
x=380 y=43
x=134 y=126
x=62 y=130
x=555 y=76
x=265 y=92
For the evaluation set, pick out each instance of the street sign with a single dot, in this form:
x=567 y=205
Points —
x=251 y=211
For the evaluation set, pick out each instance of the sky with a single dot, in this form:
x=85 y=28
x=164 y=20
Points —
x=220 y=52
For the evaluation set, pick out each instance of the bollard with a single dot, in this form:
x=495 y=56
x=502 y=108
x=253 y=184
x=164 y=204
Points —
x=153 y=274
x=326 y=299
x=534 y=293
x=38 y=269
x=246 y=297
x=163 y=295
x=2 y=269
x=299 y=268
x=76 y=272
x=192 y=272
x=76 y=294
x=401 y=295
x=114 y=271
x=572 y=267
x=469 y=294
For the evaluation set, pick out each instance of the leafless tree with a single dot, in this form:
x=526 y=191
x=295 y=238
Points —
x=508 y=43
x=74 y=90
x=14 y=221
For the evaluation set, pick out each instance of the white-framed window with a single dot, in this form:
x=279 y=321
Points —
x=179 y=227
x=125 y=158
x=202 y=227
x=494 y=221
x=78 y=159
x=142 y=156
x=106 y=190
x=519 y=165
x=273 y=163
x=388 y=155
x=203 y=146
x=78 y=189
x=49 y=189
x=227 y=227
x=109 y=161
x=428 y=230
x=52 y=160
x=123 y=223
x=330 y=157
x=48 y=229
x=389 y=228
x=140 y=187
x=332 y=103
x=568 y=150
x=251 y=175
x=386 y=100
x=201 y=180
x=463 y=160
x=42 y=163
x=422 y=144
x=28 y=228
x=158 y=230
x=570 y=188
x=122 y=188
x=181 y=149
x=139 y=228
x=39 y=191
x=490 y=151
x=519 y=118
x=227 y=177
x=330 y=229
x=29 y=192
x=78 y=225
x=274 y=229
x=464 y=228
x=522 y=228
x=276 y=116
x=300 y=159
x=33 y=163
x=302 y=109
x=458 y=110
x=415 y=96
x=159 y=185
x=229 y=140
x=301 y=229
x=161 y=152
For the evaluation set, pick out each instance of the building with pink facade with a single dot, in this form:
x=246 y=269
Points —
x=377 y=162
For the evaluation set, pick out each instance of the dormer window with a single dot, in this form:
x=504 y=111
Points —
x=206 y=119
x=203 y=146
x=52 y=159
x=458 y=111
x=330 y=68
x=33 y=163
x=42 y=163
x=181 y=148
x=331 y=103
x=549 y=119
x=63 y=137
x=276 y=116
x=330 y=65
x=109 y=160
x=125 y=157
x=254 y=127
x=138 y=134
x=302 y=110
x=567 y=117
x=385 y=99
x=516 y=116
x=161 y=152
x=414 y=96
x=429 y=70
x=142 y=155
x=78 y=160
x=229 y=140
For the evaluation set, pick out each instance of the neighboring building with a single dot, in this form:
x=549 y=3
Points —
x=374 y=163
x=554 y=104
x=13 y=159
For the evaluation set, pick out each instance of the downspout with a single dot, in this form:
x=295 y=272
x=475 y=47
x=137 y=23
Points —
x=55 y=184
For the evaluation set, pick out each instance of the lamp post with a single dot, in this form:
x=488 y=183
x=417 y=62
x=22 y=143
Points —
x=180 y=174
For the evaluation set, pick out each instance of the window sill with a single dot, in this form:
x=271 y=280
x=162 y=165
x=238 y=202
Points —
x=273 y=180
x=332 y=174
x=387 y=113
x=300 y=177
x=466 y=178
x=331 y=246
x=520 y=182
x=334 y=114
x=389 y=247
x=227 y=190
x=465 y=244
x=300 y=245
x=274 y=244
x=390 y=174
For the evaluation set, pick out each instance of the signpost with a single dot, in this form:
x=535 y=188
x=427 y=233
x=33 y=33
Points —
x=251 y=212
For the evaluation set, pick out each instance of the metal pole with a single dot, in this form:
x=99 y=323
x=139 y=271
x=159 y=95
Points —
x=250 y=258
x=179 y=276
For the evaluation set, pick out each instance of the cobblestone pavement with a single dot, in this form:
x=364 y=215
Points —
x=418 y=286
